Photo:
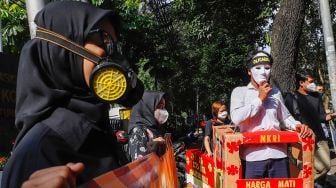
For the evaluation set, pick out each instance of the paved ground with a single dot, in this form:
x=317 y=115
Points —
x=331 y=178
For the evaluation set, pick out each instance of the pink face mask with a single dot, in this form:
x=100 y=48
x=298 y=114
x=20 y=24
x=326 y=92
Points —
x=261 y=73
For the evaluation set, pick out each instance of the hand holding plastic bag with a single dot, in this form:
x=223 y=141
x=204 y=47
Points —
x=157 y=146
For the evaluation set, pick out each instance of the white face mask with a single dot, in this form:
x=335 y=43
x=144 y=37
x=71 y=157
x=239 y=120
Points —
x=161 y=115
x=260 y=73
x=222 y=115
x=311 y=87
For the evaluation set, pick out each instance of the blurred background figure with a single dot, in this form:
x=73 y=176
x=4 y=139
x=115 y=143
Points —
x=220 y=116
x=145 y=125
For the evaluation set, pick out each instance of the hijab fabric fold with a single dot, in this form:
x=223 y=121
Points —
x=51 y=77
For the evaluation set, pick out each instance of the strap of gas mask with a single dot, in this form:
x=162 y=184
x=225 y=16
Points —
x=65 y=43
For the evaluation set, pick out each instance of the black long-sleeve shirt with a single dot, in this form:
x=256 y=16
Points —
x=311 y=111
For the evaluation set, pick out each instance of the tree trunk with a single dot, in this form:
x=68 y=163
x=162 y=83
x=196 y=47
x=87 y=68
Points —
x=329 y=43
x=286 y=31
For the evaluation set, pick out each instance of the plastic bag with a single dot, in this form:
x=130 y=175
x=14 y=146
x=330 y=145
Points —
x=149 y=171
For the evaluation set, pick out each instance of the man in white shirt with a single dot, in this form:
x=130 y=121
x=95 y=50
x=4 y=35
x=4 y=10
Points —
x=259 y=107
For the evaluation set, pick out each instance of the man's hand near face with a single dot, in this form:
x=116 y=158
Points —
x=264 y=90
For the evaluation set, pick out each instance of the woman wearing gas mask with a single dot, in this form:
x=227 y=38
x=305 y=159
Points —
x=60 y=115
x=220 y=116
x=145 y=126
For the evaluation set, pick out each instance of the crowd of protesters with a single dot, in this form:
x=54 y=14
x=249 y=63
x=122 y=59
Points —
x=63 y=126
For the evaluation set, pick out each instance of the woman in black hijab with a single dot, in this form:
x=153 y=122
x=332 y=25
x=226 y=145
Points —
x=144 y=127
x=59 y=119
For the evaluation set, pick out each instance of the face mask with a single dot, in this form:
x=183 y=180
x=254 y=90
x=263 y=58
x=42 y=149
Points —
x=222 y=115
x=112 y=80
x=311 y=87
x=260 y=73
x=161 y=116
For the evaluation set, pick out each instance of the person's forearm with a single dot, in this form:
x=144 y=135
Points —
x=290 y=123
x=242 y=113
x=207 y=144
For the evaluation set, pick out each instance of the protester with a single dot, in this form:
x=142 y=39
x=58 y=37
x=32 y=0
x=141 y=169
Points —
x=325 y=99
x=259 y=107
x=321 y=91
x=60 y=119
x=220 y=116
x=320 y=88
x=145 y=125
x=306 y=105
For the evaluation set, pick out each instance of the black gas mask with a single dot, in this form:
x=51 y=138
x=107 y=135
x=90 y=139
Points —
x=112 y=80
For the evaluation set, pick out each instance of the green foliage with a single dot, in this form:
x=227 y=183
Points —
x=213 y=40
x=181 y=45
x=312 y=52
x=190 y=46
x=132 y=4
x=97 y=2
x=144 y=75
x=14 y=26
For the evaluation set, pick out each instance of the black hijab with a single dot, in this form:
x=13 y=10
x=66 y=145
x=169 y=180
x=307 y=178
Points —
x=143 y=112
x=50 y=81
